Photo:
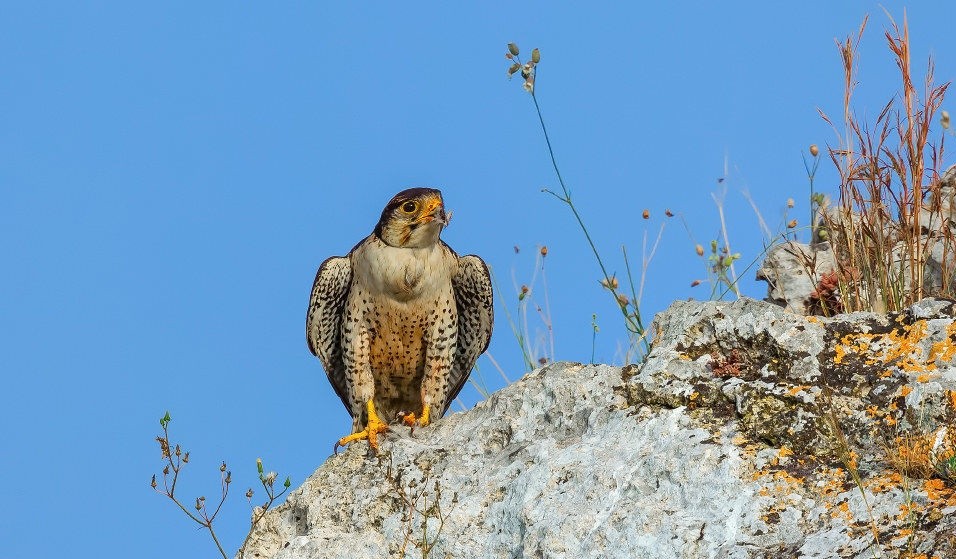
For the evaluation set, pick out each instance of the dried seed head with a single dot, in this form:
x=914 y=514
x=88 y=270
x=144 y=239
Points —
x=199 y=502
x=250 y=493
x=668 y=213
x=529 y=85
x=610 y=283
x=544 y=251
x=791 y=224
x=153 y=483
x=622 y=300
x=178 y=451
x=543 y=361
x=163 y=446
x=228 y=478
x=814 y=150
x=513 y=49
x=789 y=202
x=646 y=214
x=166 y=471
x=517 y=249
x=695 y=283
x=699 y=250
x=186 y=458
x=535 y=56
x=944 y=119
x=514 y=68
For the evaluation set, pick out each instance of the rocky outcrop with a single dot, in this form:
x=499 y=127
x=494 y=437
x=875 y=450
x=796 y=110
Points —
x=803 y=278
x=747 y=432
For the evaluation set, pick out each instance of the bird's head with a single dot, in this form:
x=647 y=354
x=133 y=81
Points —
x=413 y=218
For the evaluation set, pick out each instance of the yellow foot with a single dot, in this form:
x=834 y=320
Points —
x=372 y=429
x=412 y=421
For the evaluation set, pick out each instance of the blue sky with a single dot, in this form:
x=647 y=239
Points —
x=172 y=175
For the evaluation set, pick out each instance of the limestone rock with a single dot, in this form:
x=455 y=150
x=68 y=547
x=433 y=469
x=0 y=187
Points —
x=739 y=437
x=794 y=272
x=798 y=274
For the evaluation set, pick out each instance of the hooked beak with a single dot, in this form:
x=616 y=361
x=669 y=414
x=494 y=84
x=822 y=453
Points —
x=434 y=211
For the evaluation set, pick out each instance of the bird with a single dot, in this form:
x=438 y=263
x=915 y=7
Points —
x=399 y=322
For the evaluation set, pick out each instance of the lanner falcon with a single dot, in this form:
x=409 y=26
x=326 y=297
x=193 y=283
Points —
x=399 y=322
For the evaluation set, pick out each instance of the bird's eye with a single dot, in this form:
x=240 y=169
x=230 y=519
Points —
x=409 y=207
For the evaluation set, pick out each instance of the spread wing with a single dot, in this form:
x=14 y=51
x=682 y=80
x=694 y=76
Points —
x=474 y=299
x=323 y=322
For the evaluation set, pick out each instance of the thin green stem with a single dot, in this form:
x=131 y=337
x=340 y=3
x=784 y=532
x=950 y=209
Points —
x=633 y=321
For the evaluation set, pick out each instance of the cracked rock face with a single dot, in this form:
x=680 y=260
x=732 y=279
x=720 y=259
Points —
x=740 y=436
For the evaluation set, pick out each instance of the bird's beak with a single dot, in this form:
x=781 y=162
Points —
x=434 y=211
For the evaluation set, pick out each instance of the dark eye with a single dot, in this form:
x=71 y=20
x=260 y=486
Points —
x=409 y=207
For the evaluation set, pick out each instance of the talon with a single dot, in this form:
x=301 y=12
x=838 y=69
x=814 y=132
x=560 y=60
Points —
x=413 y=421
x=372 y=429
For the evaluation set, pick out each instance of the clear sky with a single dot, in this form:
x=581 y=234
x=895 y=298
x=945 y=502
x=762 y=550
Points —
x=172 y=175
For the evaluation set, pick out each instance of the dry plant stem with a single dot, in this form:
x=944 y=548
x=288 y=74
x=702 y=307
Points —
x=723 y=230
x=497 y=366
x=882 y=248
x=169 y=489
x=846 y=456
x=515 y=329
x=546 y=315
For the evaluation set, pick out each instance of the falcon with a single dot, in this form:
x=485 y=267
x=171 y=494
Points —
x=399 y=322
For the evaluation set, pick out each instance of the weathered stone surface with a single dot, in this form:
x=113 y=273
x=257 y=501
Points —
x=793 y=272
x=740 y=436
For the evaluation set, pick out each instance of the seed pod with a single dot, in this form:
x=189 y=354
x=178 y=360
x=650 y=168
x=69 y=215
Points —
x=514 y=68
x=699 y=250
x=513 y=49
x=814 y=150
x=535 y=56
x=646 y=214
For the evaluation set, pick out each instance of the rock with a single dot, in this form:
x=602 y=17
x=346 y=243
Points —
x=741 y=436
x=803 y=278
x=794 y=273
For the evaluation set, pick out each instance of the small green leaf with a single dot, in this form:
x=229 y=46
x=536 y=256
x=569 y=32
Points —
x=259 y=465
x=288 y=482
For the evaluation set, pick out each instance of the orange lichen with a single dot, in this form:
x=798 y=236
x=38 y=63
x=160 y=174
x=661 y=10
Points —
x=905 y=391
x=784 y=452
x=797 y=389
x=900 y=348
x=934 y=489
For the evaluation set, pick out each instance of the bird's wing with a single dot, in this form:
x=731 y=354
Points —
x=474 y=299
x=323 y=322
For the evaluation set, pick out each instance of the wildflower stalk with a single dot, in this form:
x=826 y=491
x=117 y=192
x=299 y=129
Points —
x=632 y=319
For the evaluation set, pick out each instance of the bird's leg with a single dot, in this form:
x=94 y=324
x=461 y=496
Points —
x=373 y=427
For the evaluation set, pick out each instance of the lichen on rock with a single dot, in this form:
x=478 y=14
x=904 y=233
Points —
x=747 y=432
